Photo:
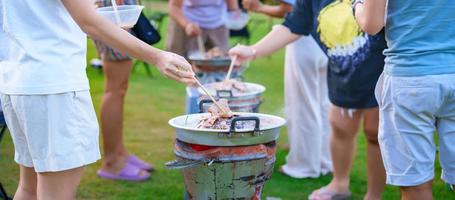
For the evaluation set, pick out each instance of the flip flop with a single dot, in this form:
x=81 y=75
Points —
x=140 y=163
x=325 y=194
x=129 y=172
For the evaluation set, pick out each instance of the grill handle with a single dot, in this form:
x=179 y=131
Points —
x=179 y=164
x=239 y=119
x=224 y=94
x=201 y=104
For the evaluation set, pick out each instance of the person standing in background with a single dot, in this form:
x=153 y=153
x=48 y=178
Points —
x=355 y=64
x=117 y=161
x=306 y=100
x=190 y=19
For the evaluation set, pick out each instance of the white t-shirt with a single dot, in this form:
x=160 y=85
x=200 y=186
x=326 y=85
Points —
x=42 y=50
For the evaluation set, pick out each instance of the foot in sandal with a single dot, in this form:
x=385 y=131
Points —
x=140 y=163
x=129 y=172
x=325 y=193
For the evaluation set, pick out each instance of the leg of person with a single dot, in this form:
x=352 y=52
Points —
x=218 y=37
x=59 y=185
x=408 y=106
x=61 y=133
x=116 y=85
x=375 y=167
x=27 y=184
x=176 y=38
x=117 y=67
x=345 y=124
x=326 y=160
x=303 y=101
x=446 y=134
x=421 y=192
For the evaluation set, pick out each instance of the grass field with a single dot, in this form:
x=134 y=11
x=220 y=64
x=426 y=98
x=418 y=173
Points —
x=152 y=102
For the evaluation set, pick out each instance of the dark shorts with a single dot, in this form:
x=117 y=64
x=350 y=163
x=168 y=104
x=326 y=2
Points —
x=354 y=88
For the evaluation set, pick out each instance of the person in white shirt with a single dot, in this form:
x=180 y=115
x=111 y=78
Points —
x=44 y=90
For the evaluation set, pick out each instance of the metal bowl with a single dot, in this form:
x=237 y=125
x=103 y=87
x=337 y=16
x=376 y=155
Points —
x=239 y=102
x=266 y=129
x=199 y=60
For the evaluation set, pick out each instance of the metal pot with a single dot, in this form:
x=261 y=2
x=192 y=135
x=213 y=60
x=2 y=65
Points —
x=239 y=102
x=266 y=129
x=222 y=62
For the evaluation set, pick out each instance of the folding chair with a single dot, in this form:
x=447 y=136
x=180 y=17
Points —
x=3 y=194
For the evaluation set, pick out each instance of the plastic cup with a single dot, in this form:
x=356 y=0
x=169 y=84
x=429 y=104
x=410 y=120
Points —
x=128 y=14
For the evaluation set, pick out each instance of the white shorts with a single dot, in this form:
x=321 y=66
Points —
x=53 y=132
x=411 y=110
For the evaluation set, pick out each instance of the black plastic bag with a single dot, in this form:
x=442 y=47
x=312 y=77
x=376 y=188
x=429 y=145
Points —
x=145 y=31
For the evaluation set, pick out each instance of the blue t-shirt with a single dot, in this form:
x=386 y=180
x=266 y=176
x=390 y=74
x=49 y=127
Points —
x=421 y=37
x=333 y=26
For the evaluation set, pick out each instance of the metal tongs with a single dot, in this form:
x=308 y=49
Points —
x=210 y=96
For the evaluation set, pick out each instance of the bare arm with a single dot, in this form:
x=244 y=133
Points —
x=274 y=11
x=175 y=11
x=276 y=39
x=370 y=15
x=171 y=65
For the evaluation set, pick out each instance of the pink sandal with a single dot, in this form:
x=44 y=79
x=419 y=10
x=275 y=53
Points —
x=129 y=172
x=132 y=159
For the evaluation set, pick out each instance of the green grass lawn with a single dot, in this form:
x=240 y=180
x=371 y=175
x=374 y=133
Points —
x=152 y=102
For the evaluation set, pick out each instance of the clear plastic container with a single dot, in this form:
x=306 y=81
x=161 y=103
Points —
x=236 y=20
x=127 y=14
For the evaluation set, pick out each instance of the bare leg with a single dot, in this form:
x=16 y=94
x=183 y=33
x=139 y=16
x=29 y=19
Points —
x=375 y=167
x=421 y=192
x=27 y=184
x=116 y=85
x=59 y=185
x=342 y=146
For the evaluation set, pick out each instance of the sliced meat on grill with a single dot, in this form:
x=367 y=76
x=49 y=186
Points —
x=217 y=118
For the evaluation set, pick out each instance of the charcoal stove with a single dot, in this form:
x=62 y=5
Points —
x=232 y=163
